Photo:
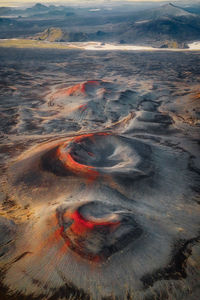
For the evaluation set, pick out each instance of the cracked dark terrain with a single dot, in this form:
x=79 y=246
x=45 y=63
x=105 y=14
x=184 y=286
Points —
x=100 y=175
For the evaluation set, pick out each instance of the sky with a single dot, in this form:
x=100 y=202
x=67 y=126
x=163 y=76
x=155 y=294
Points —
x=32 y=2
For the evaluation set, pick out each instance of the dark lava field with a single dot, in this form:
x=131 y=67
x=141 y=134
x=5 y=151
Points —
x=100 y=175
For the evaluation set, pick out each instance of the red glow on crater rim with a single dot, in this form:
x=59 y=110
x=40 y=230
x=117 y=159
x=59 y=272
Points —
x=71 y=164
x=81 y=225
x=95 y=231
x=76 y=90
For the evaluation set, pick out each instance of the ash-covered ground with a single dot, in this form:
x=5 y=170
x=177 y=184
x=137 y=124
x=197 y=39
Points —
x=100 y=175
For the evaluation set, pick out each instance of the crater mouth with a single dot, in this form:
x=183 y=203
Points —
x=97 y=154
x=88 y=89
x=96 y=230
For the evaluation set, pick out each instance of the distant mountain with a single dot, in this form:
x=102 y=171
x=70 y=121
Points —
x=165 y=11
x=166 y=26
x=5 y=10
x=53 y=34
x=193 y=8
x=162 y=29
x=38 y=8
x=50 y=35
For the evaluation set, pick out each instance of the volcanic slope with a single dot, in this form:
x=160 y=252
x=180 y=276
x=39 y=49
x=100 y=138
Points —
x=100 y=182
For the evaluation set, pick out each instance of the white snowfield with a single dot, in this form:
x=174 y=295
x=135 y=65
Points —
x=107 y=46
x=194 y=46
